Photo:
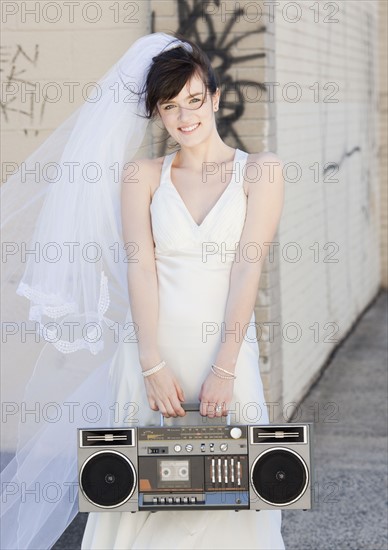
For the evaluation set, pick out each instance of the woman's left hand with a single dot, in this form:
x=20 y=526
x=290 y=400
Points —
x=215 y=391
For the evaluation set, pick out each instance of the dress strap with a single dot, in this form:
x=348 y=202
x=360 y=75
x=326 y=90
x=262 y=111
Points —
x=165 y=173
x=239 y=167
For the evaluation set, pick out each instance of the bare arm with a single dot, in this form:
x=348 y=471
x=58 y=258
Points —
x=141 y=274
x=265 y=203
x=163 y=390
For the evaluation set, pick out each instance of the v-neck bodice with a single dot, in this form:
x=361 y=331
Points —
x=175 y=231
x=168 y=179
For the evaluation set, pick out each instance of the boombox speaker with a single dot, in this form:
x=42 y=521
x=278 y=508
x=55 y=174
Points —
x=209 y=465
x=280 y=466
x=108 y=470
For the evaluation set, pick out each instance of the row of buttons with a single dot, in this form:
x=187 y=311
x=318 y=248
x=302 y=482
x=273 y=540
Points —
x=189 y=447
x=174 y=500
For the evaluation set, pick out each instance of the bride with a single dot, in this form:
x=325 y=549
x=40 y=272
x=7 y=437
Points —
x=194 y=226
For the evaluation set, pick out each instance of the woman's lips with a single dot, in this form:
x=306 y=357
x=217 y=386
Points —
x=193 y=126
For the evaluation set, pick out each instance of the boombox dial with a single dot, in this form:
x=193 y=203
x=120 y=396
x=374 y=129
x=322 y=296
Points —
x=235 y=433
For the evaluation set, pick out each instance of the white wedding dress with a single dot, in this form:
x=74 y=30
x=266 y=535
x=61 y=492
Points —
x=193 y=267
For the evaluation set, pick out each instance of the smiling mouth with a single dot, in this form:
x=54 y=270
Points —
x=189 y=129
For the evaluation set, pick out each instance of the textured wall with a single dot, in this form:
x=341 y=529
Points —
x=55 y=52
x=333 y=216
x=383 y=139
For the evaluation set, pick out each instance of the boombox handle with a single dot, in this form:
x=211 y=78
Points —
x=194 y=407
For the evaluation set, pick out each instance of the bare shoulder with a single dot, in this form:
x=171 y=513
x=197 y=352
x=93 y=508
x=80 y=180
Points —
x=148 y=163
x=146 y=166
x=145 y=171
x=263 y=168
x=265 y=158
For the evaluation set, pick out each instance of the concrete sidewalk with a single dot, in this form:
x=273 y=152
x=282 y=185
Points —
x=348 y=406
x=350 y=449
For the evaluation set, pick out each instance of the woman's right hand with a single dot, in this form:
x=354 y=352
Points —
x=165 y=393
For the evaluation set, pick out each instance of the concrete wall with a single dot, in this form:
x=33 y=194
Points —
x=58 y=53
x=333 y=218
x=383 y=138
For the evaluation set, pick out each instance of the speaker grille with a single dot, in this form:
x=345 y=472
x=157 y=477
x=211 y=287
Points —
x=279 y=476
x=107 y=479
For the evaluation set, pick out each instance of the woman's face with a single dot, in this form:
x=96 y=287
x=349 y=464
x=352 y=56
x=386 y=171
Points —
x=189 y=117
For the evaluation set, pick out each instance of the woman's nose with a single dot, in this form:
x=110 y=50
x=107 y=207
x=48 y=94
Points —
x=184 y=114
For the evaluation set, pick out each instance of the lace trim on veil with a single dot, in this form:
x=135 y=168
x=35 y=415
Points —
x=43 y=306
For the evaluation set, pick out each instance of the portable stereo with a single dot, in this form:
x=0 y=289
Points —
x=213 y=466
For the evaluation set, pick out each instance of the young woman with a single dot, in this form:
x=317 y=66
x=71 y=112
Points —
x=199 y=217
x=192 y=228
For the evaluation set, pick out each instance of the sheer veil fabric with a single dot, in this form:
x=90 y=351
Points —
x=63 y=202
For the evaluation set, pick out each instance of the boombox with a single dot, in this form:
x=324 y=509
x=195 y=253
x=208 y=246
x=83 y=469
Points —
x=195 y=467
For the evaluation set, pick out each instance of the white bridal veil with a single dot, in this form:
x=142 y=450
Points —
x=63 y=203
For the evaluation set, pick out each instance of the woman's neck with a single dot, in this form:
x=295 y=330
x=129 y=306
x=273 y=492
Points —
x=193 y=158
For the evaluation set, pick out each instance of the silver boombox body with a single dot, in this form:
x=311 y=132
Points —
x=201 y=466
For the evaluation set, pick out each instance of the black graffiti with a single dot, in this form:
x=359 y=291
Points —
x=218 y=47
x=15 y=63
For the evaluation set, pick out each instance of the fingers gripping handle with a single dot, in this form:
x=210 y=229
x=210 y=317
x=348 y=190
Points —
x=194 y=408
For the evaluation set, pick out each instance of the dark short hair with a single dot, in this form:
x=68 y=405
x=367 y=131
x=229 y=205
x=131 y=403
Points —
x=172 y=69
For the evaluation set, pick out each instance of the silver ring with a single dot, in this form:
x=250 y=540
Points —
x=218 y=408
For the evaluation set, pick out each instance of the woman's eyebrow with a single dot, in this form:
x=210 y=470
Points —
x=191 y=95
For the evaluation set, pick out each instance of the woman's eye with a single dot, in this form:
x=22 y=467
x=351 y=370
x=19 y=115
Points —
x=166 y=108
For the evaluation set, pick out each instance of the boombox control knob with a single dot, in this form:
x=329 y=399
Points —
x=189 y=448
x=235 y=433
x=177 y=448
x=224 y=446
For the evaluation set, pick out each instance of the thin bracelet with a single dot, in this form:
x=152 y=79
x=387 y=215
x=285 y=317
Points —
x=222 y=376
x=159 y=366
x=225 y=371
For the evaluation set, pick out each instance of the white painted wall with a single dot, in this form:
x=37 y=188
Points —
x=345 y=212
